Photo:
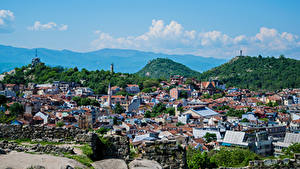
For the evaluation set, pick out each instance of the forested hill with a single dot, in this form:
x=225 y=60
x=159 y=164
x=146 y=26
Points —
x=258 y=72
x=97 y=80
x=164 y=68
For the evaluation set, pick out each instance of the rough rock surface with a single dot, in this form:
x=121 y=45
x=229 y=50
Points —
x=21 y=160
x=43 y=132
x=144 y=164
x=110 y=164
x=6 y=147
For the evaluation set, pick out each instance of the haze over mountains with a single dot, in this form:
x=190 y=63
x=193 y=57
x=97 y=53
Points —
x=127 y=61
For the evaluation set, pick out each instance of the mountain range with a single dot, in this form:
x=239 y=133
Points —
x=126 y=61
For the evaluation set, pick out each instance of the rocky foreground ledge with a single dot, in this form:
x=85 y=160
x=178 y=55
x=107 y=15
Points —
x=21 y=160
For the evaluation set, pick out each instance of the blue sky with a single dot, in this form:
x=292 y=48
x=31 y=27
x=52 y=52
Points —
x=212 y=28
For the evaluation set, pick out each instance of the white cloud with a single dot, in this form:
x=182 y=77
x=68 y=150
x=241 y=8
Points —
x=173 y=38
x=6 y=20
x=37 y=26
x=63 y=27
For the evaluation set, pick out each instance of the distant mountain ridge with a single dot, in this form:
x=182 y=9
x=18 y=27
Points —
x=164 y=68
x=126 y=61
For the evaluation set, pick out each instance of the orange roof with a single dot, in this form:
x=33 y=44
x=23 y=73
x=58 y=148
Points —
x=132 y=85
x=114 y=96
x=296 y=121
x=205 y=84
x=10 y=85
x=37 y=118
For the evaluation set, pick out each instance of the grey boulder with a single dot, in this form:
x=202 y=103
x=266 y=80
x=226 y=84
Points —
x=144 y=164
x=110 y=164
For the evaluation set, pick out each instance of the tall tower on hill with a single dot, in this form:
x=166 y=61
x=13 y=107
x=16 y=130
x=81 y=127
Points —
x=112 y=68
x=36 y=60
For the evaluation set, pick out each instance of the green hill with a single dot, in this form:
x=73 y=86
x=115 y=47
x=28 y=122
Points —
x=164 y=68
x=258 y=73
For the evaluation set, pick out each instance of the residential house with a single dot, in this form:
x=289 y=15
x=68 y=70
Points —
x=201 y=111
x=176 y=93
x=257 y=142
x=41 y=115
x=201 y=132
x=12 y=87
x=208 y=87
x=289 y=139
x=132 y=89
x=115 y=89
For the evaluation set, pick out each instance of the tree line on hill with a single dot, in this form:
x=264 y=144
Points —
x=97 y=80
x=257 y=73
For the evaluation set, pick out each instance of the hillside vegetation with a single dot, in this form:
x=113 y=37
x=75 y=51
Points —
x=164 y=68
x=97 y=80
x=258 y=73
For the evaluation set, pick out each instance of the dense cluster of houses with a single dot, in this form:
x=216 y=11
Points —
x=269 y=121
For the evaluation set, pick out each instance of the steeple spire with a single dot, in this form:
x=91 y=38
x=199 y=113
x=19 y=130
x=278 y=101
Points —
x=109 y=95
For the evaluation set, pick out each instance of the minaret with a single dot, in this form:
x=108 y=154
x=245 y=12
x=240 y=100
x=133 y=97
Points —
x=109 y=96
x=112 y=68
x=241 y=52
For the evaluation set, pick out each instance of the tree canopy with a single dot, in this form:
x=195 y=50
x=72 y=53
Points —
x=164 y=68
x=97 y=80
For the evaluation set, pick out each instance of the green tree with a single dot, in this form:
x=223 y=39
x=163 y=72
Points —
x=292 y=149
x=180 y=109
x=102 y=130
x=217 y=96
x=60 y=124
x=209 y=137
x=16 y=109
x=235 y=113
x=6 y=119
x=179 y=124
x=76 y=99
x=244 y=120
x=147 y=114
x=123 y=93
x=3 y=99
x=150 y=83
x=115 y=121
x=147 y=90
x=205 y=96
x=170 y=111
x=234 y=157
x=118 y=109
x=196 y=159
x=183 y=94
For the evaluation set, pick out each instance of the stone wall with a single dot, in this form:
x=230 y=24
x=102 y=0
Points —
x=271 y=164
x=113 y=146
x=168 y=153
x=275 y=163
x=44 y=133
x=6 y=147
